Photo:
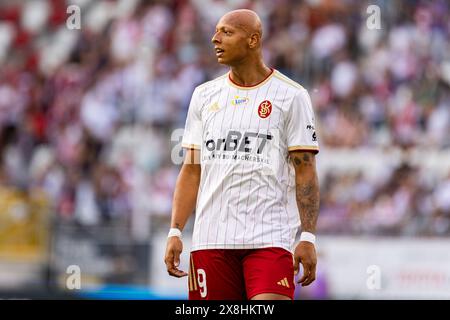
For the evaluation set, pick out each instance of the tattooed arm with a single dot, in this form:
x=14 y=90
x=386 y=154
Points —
x=184 y=200
x=307 y=195
x=307 y=188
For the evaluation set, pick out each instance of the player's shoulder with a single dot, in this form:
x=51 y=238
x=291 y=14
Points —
x=286 y=81
x=211 y=83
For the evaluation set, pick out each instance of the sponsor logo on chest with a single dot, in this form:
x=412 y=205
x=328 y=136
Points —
x=239 y=101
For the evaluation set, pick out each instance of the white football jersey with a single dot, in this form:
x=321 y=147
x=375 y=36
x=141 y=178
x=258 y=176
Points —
x=246 y=196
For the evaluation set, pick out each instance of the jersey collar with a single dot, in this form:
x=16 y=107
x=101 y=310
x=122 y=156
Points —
x=259 y=84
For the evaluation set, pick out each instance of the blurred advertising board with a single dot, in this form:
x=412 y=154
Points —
x=24 y=236
x=101 y=255
x=24 y=225
x=385 y=268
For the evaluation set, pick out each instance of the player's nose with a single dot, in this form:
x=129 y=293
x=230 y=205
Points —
x=215 y=39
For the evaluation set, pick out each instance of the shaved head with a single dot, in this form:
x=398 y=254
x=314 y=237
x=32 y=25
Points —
x=244 y=19
x=237 y=39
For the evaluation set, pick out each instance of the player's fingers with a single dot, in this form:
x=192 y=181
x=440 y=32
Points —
x=177 y=273
x=306 y=272
x=303 y=278
x=174 y=271
x=296 y=265
x=170 y=264
x=168 y=260
x=176 y=258
x=308 y=281
x=172 y=261
x=311 y=277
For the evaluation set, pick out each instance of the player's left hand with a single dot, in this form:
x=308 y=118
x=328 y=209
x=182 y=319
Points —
x=305 y=253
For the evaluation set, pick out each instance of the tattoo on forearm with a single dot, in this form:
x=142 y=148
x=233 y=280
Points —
x=306 y=157
x=307 y=193
x=299 y=161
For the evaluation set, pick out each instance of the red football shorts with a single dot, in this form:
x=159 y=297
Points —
x=240 y=274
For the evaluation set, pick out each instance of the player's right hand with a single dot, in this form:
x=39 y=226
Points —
x=172 y=258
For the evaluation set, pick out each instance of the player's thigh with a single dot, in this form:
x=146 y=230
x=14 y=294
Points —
x=269 y=270
x=215 y=274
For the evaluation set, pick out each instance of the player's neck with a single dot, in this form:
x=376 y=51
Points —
x=249 y=74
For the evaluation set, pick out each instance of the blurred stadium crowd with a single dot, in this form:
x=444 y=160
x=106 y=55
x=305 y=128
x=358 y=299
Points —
x=86 y=116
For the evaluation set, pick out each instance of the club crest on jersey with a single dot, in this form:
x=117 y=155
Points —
x=264 y=109
x=239 y=101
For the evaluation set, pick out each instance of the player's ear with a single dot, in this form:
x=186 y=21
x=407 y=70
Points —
x=253 y=40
